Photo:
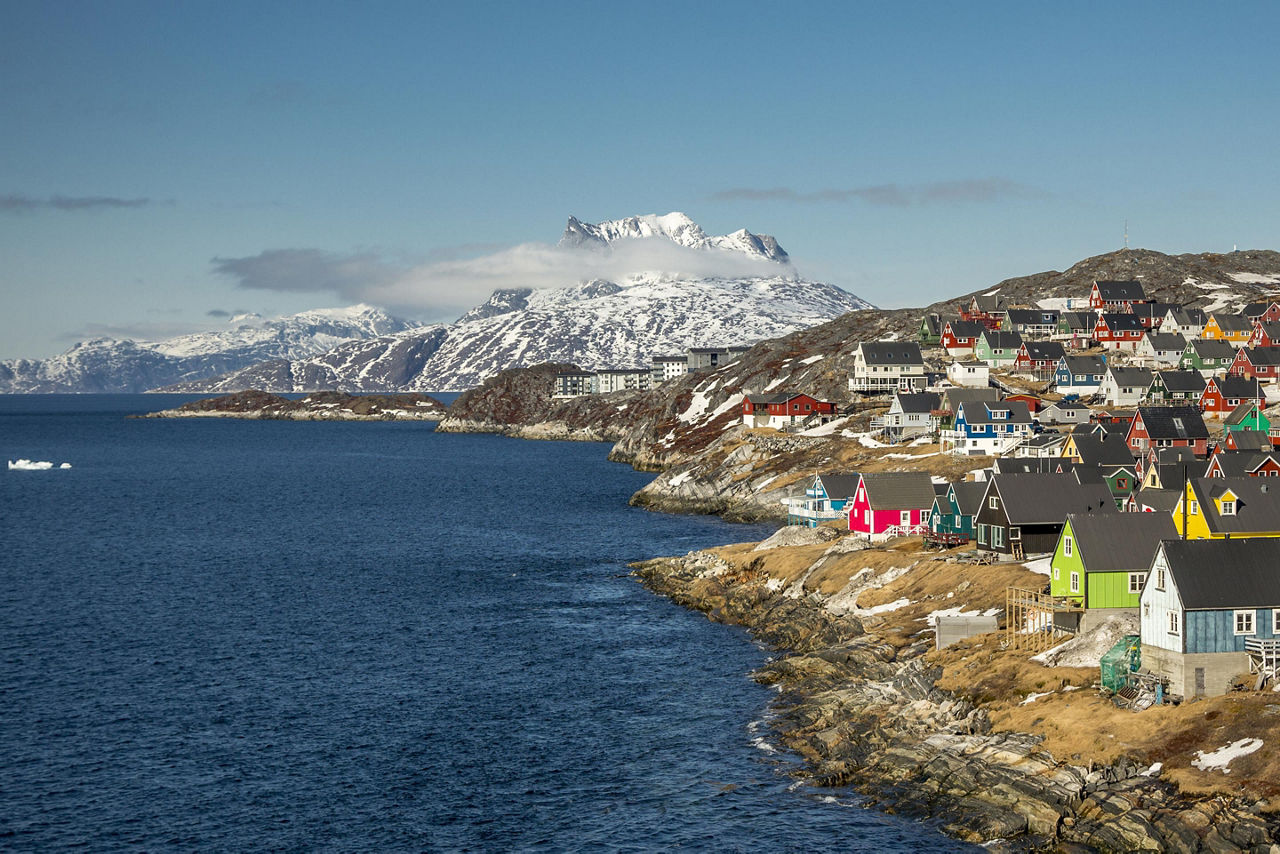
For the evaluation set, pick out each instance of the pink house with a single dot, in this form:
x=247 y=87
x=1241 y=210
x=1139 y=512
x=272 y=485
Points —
x=891 y=504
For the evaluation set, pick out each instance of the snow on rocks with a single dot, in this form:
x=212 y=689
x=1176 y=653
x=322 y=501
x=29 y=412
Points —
x=1087 y=648
x=1219 y=759
x=794 y=535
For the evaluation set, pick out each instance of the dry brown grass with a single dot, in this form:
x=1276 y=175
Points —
x=1079 y=725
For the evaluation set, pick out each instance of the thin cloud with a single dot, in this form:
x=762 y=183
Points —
x=144 y=331
x=452 y=285
x=14 y=203
x=892 y=195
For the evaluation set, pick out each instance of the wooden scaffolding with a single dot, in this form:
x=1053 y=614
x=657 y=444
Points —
x=1264 y=659
x=1036 y=621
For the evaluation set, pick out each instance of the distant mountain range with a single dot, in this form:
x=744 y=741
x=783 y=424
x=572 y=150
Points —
x=595 y=324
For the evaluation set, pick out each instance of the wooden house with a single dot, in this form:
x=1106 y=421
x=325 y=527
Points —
x=1223 y=394
x=1203 y=607
x=1266 y=333
x=1038 y=358
x=1150 y=314
x=1118 y=332
x=1101 y=560
x=1247 y=418
x=983 y=427
x=910 y=414
x=1207 y=357
x=1176 y=386
x=951 y=517
x=1125 y=386
x=1023 y=514
x=826 y=498
x=997 y=347
x=887 y=366
x=1240 y=463
x=1031 y=322
x=1075 y=328
x=1064 y=412
x=1235 y=329
x=959 y=337
x=1248 y=440
x=1264 y=312
x=1221 y=508
x=1046 y=445
x=1168 y=427
x=1115 y=296
x=930 y=333
x=1080 y=375
x=969 y=374
x=784 y=409
x=891 y=504
x=1161 y=349
x=1260 y=362
x=1187 y=322
x=987 y=309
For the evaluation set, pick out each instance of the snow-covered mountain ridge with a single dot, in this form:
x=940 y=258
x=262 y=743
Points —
x=128 y=366
x=677 y=228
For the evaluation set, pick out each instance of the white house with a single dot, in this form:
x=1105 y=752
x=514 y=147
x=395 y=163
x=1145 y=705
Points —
x=1161 y=349
x=969 y=374
x=1125 y=386
x=886 y=366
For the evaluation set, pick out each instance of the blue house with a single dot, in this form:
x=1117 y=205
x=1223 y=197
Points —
x=986 y=427
x=1080 y=375
x=1208 y=608
x=825 y=499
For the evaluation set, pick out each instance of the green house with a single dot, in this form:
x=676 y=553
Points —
x=997 y=348
x=1207 y=356
x=1101 y=560
x=951 y=518
x=931 y=330
x=1247 y=416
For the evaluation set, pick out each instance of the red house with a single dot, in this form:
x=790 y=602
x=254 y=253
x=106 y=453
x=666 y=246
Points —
x=1118 y=331
x=1033 y=403
x=960 y=336
x=1242 y=464
x=1266 y=333
x=891 y=504
x=1260 y=362
x=1115 y=296
x=1225 y=393
x=784 y=409
x=987 y=309
x=1038 y=357
x=1168 y=427
x=1267 y=312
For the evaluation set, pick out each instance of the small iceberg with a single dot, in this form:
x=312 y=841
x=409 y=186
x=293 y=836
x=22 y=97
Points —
x=34 y=465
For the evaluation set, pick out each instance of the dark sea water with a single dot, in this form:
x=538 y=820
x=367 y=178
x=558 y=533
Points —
x=240 y=635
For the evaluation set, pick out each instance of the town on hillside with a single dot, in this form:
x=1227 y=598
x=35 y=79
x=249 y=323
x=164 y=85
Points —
x=1131 y=448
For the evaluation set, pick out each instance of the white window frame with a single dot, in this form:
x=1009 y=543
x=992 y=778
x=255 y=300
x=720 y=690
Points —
x=1173 y=623
x=983 y=532
x=1275 y=622
x=1243 y=621
x=905 y=517
x=1136 y=581
x=1066 y=546
x=1229 y=508
x=1160 y=578
x=1075 y=581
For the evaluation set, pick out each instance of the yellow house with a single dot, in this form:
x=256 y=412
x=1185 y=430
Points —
x=1235 y=329
x=1220 y=508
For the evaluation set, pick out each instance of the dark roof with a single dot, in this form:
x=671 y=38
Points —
x=1119 y=542
x=1033 y=316
x=1189 y=316
x=1135 y=377
x=1242 y=411
x=989 y=302
x=1026 y=465
x=1047 y=439
x=1122 y=322
x=921 y=401
x=1152 y=309
x=1043 y=499
x=1173 y=422
x=1167 y=341
x=933 y=323
x=775 y=397
x=1159 y=500
x=1241 y=463
x=1086 y=364
x=1107 y=450
x=839 y=485
x=1174 y=455
x=1214 y=574
x=1242 y=387
x=1256 y=309
x=1183 y=381
x=898 y=490
x=1116 y=291
x=1272 y=328
x=1213 y=348
x=1262 y=355
x=1233 y=322
x=1000 y=338
x=1041 y=351
x=1257 y=508
x=969 y=495
x=966 y=328
x=1251 y=440
x=957 y=396
x=979 y=412
x=892 y=353
x=1078 y=319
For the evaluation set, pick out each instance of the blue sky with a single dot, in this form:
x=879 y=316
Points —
x=152 y=152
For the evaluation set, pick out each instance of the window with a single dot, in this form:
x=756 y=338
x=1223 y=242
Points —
x=906 y=517
x=1057 y=574
x=1122 y=483
x=1136 y=580
x=997 y=536
x=1066 y=546
x=1228 y=508
x=1193 y=508
x=1244 y=622
x=1160 y=578
x=1075 y=582
x=982 y=534
x=994 y=503
x=1275 y=621
x=1173 y=622
x=1015 y=533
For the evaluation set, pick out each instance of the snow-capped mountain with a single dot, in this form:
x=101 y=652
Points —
x=596 y=324
x=108 y=365
x=677 y=228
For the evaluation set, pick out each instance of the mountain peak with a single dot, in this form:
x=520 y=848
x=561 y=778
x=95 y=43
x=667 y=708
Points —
x=676 y=227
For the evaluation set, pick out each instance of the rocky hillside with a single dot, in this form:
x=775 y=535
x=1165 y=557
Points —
x=320 y=406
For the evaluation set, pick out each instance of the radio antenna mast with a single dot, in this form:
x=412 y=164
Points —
x=1126 y=234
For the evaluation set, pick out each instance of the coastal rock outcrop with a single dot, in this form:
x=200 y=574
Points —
x=319 y=406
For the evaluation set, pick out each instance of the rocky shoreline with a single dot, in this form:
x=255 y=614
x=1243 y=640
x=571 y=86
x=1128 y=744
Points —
x=318 y=406
x=865 y=711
